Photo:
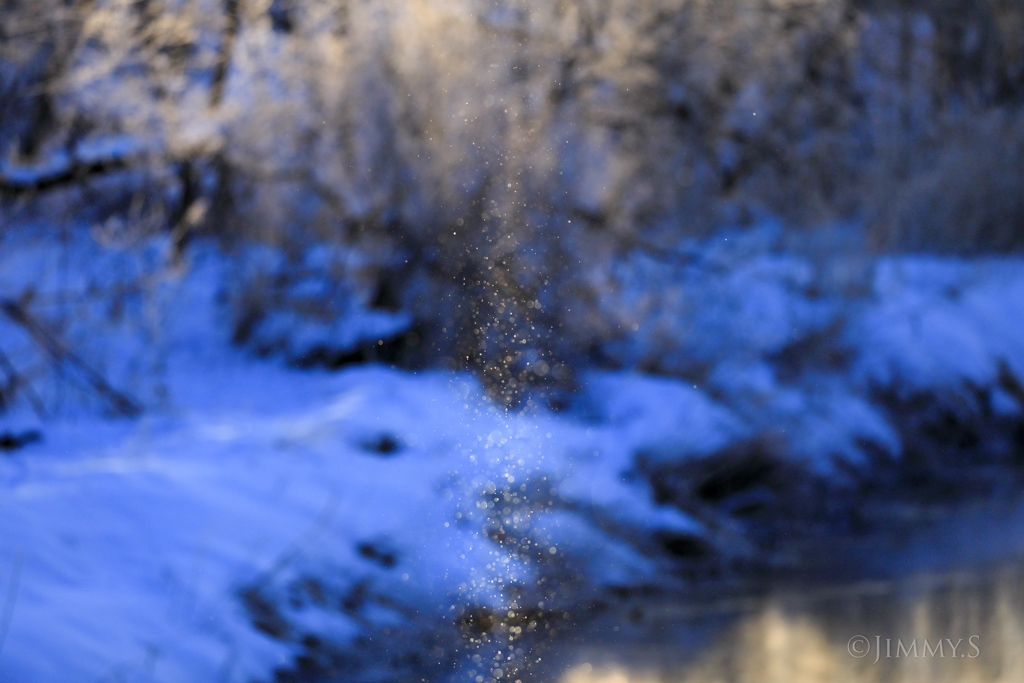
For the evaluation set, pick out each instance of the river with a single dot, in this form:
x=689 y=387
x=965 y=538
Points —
x=937 y=601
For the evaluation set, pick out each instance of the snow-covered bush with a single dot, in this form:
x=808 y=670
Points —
x=321 y=309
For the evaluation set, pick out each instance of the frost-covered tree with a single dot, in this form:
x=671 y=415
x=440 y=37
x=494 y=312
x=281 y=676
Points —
x=493 y=159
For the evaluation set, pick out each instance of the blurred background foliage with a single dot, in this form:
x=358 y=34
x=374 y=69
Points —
x=489 y=164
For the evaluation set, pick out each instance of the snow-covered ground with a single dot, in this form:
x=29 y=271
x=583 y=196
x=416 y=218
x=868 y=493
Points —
x=253 y=507
x=129 y=546
x=131 y=543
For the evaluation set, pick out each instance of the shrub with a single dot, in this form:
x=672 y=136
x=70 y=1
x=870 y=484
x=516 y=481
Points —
x=963 y=194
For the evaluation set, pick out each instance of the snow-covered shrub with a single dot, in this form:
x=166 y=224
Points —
x=317 y=309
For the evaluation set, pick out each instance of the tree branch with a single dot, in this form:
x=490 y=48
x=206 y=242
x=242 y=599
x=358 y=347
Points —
x=32 y=180
x=121 y=403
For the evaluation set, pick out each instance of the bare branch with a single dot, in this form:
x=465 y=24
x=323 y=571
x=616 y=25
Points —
x=121 y=403
x=16 y=381
x=31 y=180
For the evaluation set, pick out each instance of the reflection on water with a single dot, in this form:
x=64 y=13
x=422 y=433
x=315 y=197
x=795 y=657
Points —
x=962 y=625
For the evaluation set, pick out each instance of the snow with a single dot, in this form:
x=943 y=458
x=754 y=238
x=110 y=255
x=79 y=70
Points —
x=936 y=324
x=300 y=337
x=129 y=546
x=137 y=539
x=55 y=164
x=739 y=299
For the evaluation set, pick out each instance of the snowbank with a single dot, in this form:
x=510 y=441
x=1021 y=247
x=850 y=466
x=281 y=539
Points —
x=256 y=512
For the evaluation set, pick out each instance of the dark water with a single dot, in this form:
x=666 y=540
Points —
x=941 y=600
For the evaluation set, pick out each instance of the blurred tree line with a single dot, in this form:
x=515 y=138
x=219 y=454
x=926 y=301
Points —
x=490 y=159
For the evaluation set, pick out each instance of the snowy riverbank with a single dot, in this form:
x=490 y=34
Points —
x=257 y=517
